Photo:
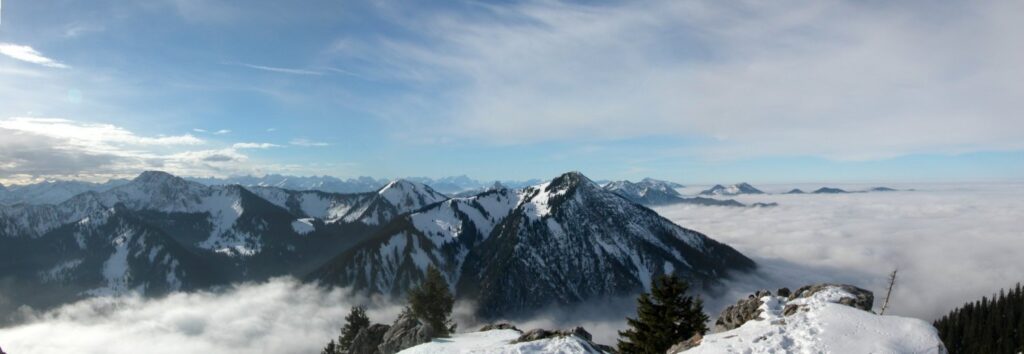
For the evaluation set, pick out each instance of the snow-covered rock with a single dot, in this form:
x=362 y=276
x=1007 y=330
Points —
x=500 y=341
x=815 y=320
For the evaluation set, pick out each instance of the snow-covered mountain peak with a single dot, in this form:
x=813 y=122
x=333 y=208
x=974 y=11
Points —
x=407 y=195
x=569 y=180
x=157 y=178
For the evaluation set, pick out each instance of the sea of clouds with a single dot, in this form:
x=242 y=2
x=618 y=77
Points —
x=951 y=244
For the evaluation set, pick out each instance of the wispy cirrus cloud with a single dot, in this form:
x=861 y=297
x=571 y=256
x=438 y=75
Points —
x=307 y=143
x=292 y=71
x=838 y=79
x=28 y=54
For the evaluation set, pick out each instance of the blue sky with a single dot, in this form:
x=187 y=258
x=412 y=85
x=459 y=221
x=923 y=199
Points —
x=693 y=91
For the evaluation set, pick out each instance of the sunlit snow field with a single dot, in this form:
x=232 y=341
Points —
x=952 y=243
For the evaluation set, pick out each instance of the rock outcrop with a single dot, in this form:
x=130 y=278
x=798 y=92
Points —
x=743 y=311
x=407 y=331
x=686 y=344
x=862 y=299
x=367 y=340
x=539 y=333
x=501 y=325
x=820 y=318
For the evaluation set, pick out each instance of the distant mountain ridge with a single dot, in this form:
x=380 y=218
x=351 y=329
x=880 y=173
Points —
x=731 y=190
x=447 y=185
x=51 y=192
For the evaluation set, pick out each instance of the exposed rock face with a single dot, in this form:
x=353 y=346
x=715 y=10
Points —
x=408 y=331
x=863 y=299
x=368 y=339
x=686 y=344
x=502 y=325
x=538 y=334
x=743 y=311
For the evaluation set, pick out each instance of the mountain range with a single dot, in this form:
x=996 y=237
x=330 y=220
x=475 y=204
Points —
x=511 y=250
x=54 y=192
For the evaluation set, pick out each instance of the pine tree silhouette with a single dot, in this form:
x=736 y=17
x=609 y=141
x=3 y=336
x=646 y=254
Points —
x=665 y=316
x=432 y=302
x=355 y=321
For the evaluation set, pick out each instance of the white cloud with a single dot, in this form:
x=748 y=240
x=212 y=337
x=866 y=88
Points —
x=35 y=148
x=222 y=132
x=254 y=145
x=840 y=79
x=307 y=142
x=198 y=130
x=28 y=54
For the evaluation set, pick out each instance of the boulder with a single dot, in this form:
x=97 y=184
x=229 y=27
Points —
x=743 y=311
x=539 y=333
x=686 y=344
x=367 y=340
x=862 y=299
x=502 y=325
x=408 y=331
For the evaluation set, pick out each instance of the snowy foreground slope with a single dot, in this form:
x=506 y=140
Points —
x=820 y=324
x=499 y=341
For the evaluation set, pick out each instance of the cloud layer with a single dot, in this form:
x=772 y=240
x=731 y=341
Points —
x=951 y=243
x=280 y=316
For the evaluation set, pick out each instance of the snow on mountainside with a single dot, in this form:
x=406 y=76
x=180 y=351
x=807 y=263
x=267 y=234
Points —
x=107 y=252
x=442 y=235
x=241 y=235
x=735 y=189
x=558 y=242
x=820 y=324
x=499 y=341
x=329 y=207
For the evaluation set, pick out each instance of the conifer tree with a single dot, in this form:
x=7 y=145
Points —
x=331 y=348
x=355 y=321
x=432 y=302
x=665 y=316
x=993 y=325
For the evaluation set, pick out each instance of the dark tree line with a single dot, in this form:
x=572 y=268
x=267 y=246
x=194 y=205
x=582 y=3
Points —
x=988 y=326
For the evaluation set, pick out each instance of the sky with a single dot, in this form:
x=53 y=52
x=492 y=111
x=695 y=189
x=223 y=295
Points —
x=691 y=91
